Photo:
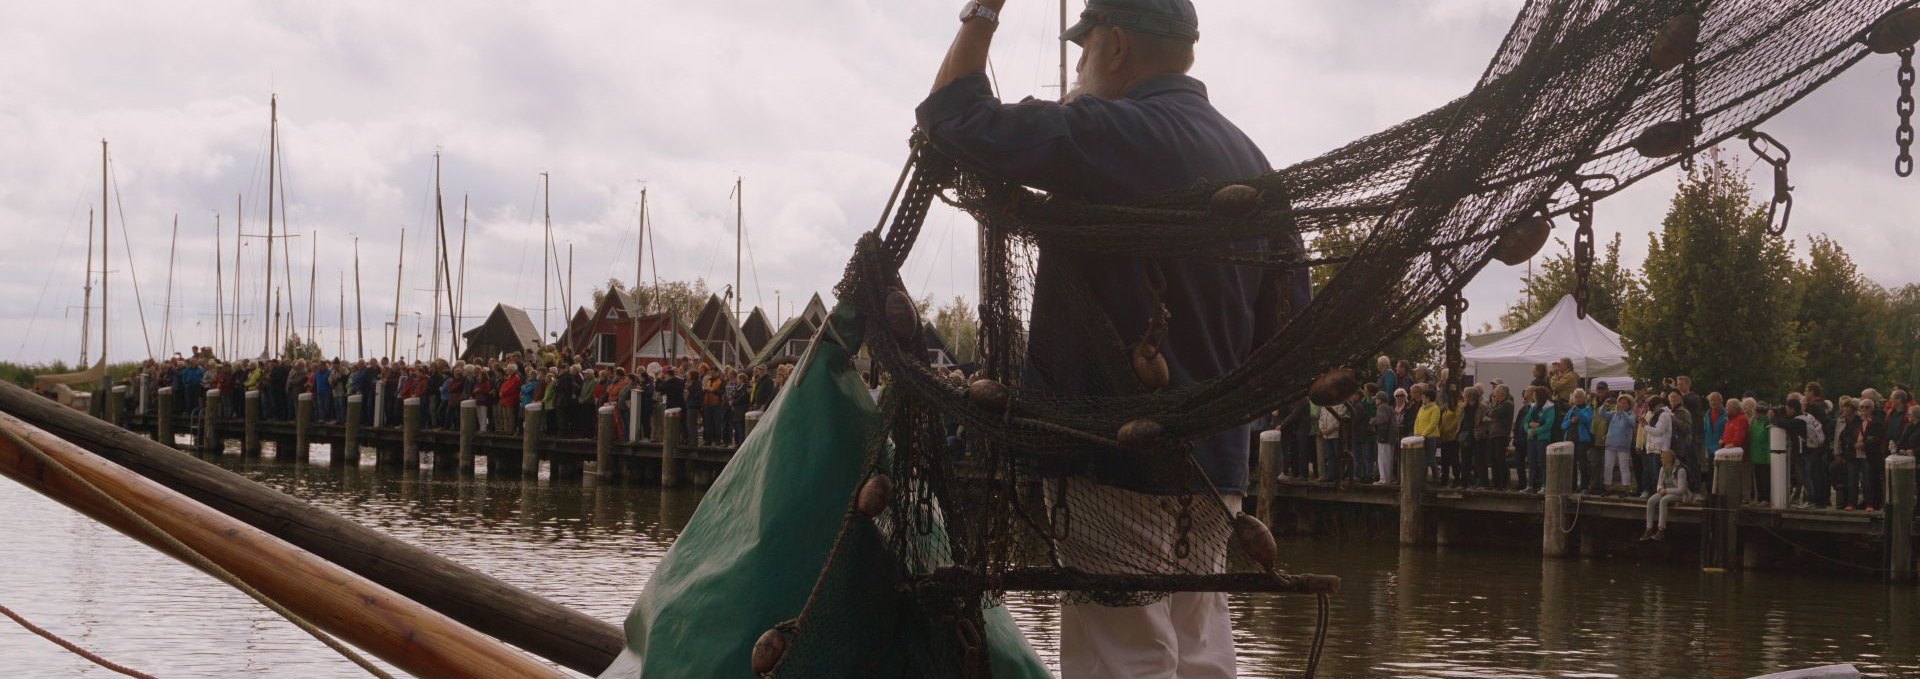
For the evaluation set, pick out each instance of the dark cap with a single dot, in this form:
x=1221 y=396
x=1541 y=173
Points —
x=1165 y=18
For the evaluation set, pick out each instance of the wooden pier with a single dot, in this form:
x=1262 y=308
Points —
x=598 y=459
x=1716 y=528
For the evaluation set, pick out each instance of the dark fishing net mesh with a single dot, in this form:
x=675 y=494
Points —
x=1547 y=130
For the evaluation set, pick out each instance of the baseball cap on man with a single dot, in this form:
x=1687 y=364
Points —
x=1166 y=18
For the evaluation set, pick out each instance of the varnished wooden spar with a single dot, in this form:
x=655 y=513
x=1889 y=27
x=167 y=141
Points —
x=374 y=618
x=508 y=613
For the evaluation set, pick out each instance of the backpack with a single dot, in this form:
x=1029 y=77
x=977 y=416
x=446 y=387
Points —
x=1816 y=435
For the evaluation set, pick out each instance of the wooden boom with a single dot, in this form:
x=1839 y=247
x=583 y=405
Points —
x=391 y=627
x=516 y=616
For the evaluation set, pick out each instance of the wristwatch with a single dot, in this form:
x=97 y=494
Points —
x=975 y=9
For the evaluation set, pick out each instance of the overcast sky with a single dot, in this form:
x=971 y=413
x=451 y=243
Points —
x=810 y=102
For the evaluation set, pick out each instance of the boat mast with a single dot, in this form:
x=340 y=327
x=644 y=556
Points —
x=639 y=268
x=739 y=231
x=342 y=326
x=239 y=227
x=359 y=309
x=393 y=344
x=86 y=301
x=439 y=256
x=460 y=295
x=313 y=276
x=546 y=250
x=219 y=287
x=267 y=302
x=103 y=261
x=166 y=311
x=1063 y=50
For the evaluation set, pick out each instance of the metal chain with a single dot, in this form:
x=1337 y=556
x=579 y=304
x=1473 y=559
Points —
x=1903 y=165
x=1582 y=254
x=1780 y=211
x=1689 y=92
x=1456 y=363
x=1183 y=528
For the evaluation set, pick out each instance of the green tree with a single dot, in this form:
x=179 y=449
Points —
x=684 y=298
x=1840 y=333
x=1719 y=302
x=1611 y=287
x=1420 y=344
x=955 y=321
x=1898 y=311
x=297 y=348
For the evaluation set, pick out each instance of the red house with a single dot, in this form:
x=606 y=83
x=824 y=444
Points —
x=617 y=334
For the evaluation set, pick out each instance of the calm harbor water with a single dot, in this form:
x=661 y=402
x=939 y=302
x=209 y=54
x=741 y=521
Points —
x=1415 y=613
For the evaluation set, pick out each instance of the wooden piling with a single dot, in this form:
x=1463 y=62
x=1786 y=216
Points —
x=530 y=426
x=1266 y=473
x=469 y=429
x=670 y=449
x=633 y=415
x=410 y=434
x=1720 y=546
x=349 y=453
x=1413 y=487
x=209 y=440
x=117 y=405
x=753 y=420
x=302 y=428
x=380 y=403
x=602 y=446
x=163 y=421
x=1555 y=528
x=250 y=426
x=1900 y=500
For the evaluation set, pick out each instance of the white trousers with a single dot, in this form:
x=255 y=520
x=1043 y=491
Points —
x=1186 y=635
x=1388 y=466
x=1617 y=459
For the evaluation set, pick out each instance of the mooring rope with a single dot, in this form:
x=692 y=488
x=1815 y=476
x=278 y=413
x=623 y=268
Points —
x=74 y=648
x=1319 y=636
x=192 y=556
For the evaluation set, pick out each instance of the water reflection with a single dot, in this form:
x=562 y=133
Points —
x=1402 y=613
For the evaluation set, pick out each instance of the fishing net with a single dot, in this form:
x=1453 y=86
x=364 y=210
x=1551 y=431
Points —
x=974 y=490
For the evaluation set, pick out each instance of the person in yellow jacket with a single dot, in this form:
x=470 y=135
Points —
x=1444 y=436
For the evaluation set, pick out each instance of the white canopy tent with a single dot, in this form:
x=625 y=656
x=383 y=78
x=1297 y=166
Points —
x=1594 y=349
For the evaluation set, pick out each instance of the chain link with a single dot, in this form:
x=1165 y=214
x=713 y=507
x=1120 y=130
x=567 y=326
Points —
x=1776 y=154
x=1456 y=363
x=1183 y=529
x=1903 y=165
x=1689 y=93
x=1582 y=255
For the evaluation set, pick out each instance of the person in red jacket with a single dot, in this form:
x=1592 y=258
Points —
x=509 y=400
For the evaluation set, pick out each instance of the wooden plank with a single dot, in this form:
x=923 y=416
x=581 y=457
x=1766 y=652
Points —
x=511 y=614
x=393 y=628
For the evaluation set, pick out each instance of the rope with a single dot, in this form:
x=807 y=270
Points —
x=72 y=647
x=192 y=556
x=1319 y=637
x=1577 y=501
x=1804 y=549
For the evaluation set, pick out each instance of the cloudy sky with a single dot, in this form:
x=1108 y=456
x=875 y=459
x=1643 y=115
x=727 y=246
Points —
x=809 y=101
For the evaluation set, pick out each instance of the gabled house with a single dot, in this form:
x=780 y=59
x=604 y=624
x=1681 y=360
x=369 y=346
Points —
x=757 y=330
x=618 y=334
x=796 y=335
x=506 y=330
x=715 y=328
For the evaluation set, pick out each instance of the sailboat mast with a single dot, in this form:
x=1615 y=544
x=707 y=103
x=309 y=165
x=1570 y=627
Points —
x=640 y=251
x=267 y=330
x=439 y=256
x=239 y=228
x=166 y=311
x=546 y=248
x=460 y=294
x=341 y=327
x=1063 y=51
x=393 y=345
x=739 y=230
x=219 y=287
x=359 y=309
x=103 y=260
x=313 y=277
x=86 y=300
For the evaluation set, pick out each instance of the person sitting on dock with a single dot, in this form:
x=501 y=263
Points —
x=1671 y=488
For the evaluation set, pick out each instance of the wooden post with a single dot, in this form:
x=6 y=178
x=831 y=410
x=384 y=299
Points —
x=660 y=417
x=163 y=420
x=1778 y=467
x=565 y=636
x=141 y=405
x=469 y=429
x=385 y=623
x=380 y=403
x=1266 y=473
x=349 y=453
x=302 y=428
x=410 y=434
x=670 y=450
x=1555 y=534
x=209 y=440
x=530 y=441
x=602 y=446
x=117 y=405
x=250 y=427
x=1721 y=546
x=633 y=416
x=1413 y=488
x=1900 y=500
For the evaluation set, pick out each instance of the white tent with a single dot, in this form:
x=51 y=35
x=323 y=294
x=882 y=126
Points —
x=1594 y=349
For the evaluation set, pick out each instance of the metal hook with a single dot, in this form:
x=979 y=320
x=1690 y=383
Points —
x=1781 y=210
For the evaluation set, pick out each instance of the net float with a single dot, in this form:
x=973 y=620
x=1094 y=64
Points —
x=1896 y=32
x=768 y=650
x=903 y=317
x=1663 y=139
x=989 y=394
x=1256 y=540
x=874 y=495
x=1333 y=387
x=1234 y=201
x=1139 y=436
x=1523 y=241
x=1676 y=41
x=1150 y=366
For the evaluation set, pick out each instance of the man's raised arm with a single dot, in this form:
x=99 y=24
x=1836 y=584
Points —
x=968 y=53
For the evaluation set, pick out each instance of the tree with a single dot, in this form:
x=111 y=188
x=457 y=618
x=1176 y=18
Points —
x=684 y=298
x=1898 y=333
x=1840 y=335
x=1421 y=344
x=297 y=348
x=955 y=321
x=1610 y=288
x=1719 y=302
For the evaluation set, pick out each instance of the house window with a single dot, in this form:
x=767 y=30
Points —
x=604 y=348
